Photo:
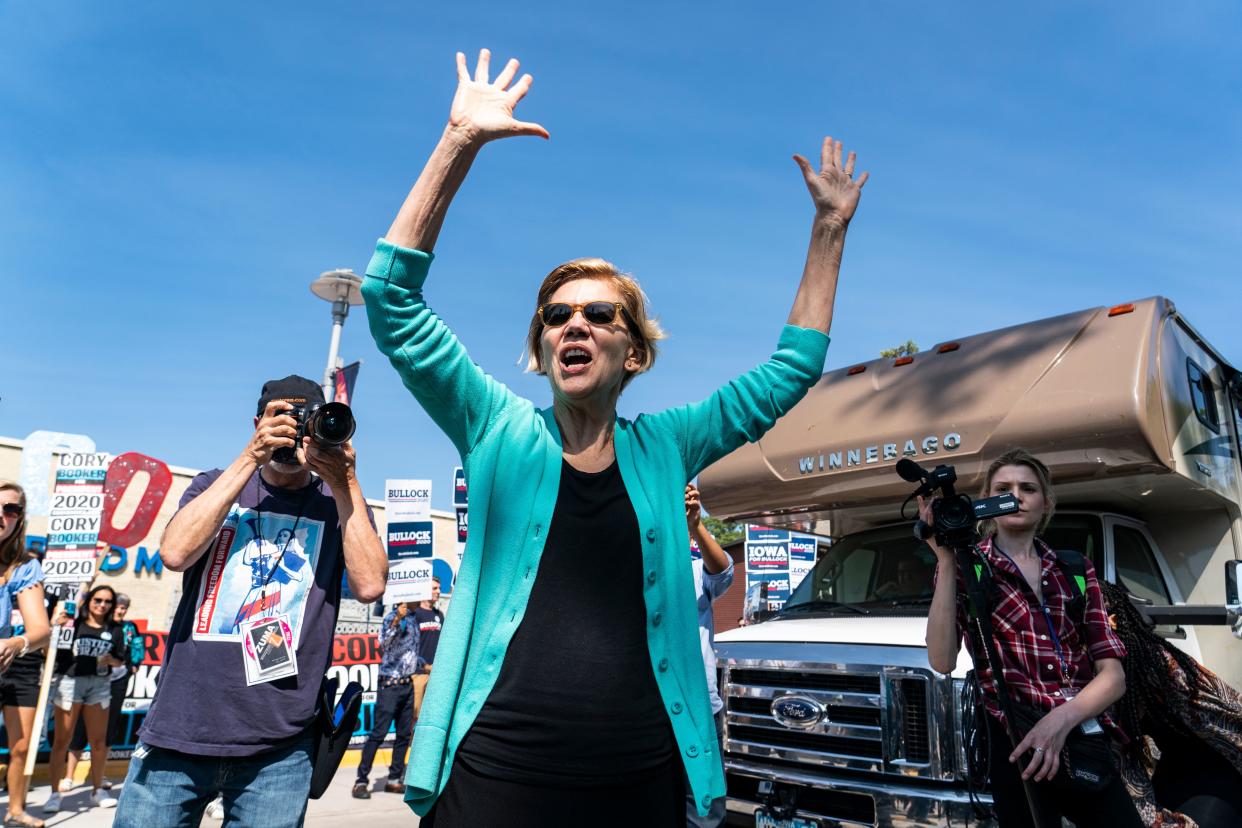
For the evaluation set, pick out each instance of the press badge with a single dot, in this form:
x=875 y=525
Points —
x=267 y=649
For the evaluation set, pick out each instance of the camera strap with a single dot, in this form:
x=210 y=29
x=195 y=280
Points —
x=973 y=559
x=259 y=486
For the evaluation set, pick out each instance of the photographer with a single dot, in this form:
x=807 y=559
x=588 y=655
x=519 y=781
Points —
x=1065 y=669
x=262 y=545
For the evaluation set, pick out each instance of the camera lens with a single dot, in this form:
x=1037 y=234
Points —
x=331 y=424
x=954 y=513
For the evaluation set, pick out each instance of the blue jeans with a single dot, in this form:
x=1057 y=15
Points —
x=167 y=788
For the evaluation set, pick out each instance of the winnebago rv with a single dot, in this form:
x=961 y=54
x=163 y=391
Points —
x=1137 y=417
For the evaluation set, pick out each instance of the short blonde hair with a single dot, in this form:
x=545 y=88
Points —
x=1020 y=457
x=645 y=330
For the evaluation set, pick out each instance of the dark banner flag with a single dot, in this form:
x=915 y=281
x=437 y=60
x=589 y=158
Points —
x=343 y=380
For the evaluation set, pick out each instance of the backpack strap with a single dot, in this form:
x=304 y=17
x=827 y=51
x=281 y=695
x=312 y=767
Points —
x=1074 y=567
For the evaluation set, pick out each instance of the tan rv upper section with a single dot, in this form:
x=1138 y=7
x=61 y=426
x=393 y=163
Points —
x=1082 y=391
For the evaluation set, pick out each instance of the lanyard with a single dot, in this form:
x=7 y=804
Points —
x=1043 y=609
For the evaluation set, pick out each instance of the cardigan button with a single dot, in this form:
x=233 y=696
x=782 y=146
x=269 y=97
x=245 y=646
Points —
x=676 y=708
x=651 y=535
x=657 y=619
x=707 y=802
x=663 y=665
x=692 y=751
x=651 y=576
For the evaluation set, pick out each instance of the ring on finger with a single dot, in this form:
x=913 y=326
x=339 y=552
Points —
x=1039 y=750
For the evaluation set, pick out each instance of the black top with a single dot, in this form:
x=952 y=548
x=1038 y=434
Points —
x=576 y=703
x=429 y=623
x=89 y=643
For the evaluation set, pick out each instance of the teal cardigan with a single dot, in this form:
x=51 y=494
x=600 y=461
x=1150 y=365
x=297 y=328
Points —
x=511 y=452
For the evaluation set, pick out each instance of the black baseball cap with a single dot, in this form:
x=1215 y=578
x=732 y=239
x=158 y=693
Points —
x=292 y=389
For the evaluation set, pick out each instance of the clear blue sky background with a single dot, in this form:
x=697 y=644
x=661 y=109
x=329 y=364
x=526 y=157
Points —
x=172 y=177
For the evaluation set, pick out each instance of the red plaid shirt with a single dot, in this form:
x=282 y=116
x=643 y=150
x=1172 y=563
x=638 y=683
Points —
x=1033 y=670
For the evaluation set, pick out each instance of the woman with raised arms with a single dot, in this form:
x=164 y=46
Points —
x=569 y=687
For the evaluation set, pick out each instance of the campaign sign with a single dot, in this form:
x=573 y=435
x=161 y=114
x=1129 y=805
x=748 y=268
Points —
x=767 y=556
x=75 y=518
x=777 y=584
x=459 y=487
x=461 y=525
x=765 y=534
x=409 y=579
x=406 y=500
x=802 y=551
x=411 y=539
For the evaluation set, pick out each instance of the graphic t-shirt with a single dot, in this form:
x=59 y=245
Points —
x=90 y=643
x=277 y=552
x=430 y=621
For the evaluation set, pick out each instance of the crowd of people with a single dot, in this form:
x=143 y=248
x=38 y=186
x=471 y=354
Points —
x=574 y=681
x=90 y=670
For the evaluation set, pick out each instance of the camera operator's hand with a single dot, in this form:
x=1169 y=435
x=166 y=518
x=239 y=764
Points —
x=275 y=429
x=925 y=515
x=335 y=464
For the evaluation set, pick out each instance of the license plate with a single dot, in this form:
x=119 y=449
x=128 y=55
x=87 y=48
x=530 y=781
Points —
x=764 y=820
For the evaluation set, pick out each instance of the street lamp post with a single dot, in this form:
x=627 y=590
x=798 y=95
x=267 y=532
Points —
x=341 y=287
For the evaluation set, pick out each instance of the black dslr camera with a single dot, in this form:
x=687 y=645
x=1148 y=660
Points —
x=328 y=424
x=954 y=515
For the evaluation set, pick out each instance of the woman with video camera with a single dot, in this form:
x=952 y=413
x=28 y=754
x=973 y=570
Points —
x=1060 y=661
x=569 y=686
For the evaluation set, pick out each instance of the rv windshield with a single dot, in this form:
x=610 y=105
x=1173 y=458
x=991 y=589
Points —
x=886 y=567
x=890 y=570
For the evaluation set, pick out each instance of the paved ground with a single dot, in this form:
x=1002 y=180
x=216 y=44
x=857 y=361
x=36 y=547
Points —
x=336 y=808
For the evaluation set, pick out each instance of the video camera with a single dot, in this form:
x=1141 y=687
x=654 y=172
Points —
x=954 y=515
x=328 y=424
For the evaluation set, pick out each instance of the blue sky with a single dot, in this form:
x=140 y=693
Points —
x=172 y=177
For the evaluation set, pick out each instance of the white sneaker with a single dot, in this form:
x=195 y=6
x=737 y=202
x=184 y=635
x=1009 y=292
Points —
x=52 y=805
x=106 y=784
x=216 y=809
x=103 y=799
x=67 y=784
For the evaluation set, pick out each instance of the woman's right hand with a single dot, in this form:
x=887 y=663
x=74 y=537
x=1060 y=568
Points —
x=925 y=515
x=482 y=111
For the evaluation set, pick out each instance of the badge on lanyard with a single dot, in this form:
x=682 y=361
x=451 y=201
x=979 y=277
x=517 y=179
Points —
x=268 y=649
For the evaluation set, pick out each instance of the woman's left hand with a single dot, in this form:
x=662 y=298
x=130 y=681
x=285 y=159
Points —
x=1046 y=739
x=833 y=189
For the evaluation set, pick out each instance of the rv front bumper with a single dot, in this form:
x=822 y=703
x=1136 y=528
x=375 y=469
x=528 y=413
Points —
x=844 y=802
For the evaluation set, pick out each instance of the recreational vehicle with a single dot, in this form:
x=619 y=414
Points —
x=832 y=714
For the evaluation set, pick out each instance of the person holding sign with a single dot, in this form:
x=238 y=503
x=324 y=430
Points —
x=83 y=686
x=712 y=571
x=23 y=629
x=394 y=700
x=568 y=680
x=263 y=545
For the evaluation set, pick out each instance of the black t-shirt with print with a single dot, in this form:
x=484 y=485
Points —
x=89 y=644
x=429 y=623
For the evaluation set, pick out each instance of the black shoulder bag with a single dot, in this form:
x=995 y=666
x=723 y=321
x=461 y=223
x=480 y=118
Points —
x=335 y=722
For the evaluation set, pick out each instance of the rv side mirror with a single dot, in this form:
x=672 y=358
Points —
x=1233 y=584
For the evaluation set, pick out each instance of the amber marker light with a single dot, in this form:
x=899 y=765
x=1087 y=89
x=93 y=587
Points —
x=1118 y=310
x=857 y=369
x=905 y=360
x=948 y=347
